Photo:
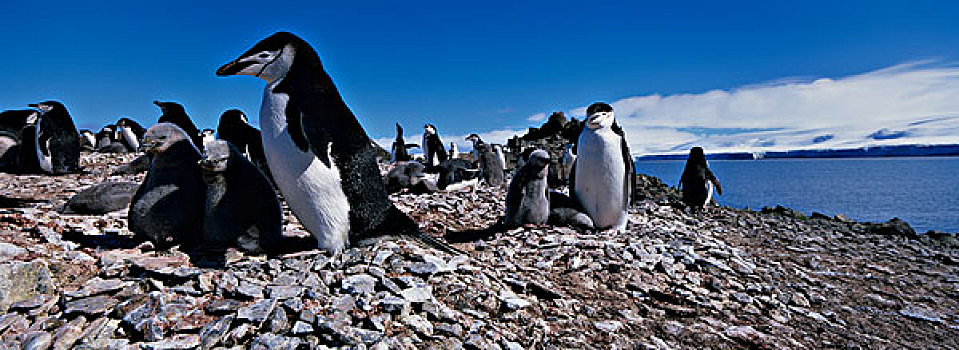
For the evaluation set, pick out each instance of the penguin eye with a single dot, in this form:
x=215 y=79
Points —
x=263 y=55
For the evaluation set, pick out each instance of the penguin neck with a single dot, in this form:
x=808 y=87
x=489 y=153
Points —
x=215 y=189
x=179 y=153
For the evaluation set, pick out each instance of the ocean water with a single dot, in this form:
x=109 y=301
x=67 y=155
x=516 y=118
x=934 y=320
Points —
x=922 y=191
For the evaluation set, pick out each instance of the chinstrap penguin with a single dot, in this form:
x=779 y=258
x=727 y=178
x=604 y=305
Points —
x=603 y=174
x=454 y=151
x=433 y=148
x=322 y=160
x=477 y=141
x=168 y=206
x=241 y=208
x=399 y=150
x=172 y=112
x=697 y=180
x=34 y=155
x=235 y=128
x=58 y=137
x=527 y=201
x=88 y=140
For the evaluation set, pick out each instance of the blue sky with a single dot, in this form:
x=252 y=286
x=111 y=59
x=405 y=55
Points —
x=489 y=67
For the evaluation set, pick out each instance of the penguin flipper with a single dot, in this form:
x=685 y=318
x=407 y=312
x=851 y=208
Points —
x=630 y=182
x=712 y=178
x=410 y=230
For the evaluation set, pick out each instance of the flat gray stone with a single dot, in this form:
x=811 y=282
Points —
x=91 y=306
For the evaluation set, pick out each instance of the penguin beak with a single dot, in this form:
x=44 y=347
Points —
x=34 y=105
x=234 y=67
x=148 y=145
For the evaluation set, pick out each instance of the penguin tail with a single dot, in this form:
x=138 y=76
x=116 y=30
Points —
x=407 y=229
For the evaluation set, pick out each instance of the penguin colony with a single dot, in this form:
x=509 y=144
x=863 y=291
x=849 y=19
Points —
x=211 y=190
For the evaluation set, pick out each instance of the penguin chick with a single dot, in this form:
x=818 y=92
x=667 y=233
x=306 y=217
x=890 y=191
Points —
x=527 y=201
x=241 y=209
x=168 y=206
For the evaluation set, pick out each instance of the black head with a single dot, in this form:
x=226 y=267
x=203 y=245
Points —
x=233 y=116
x=399 y=130
x=598 y=107
x=170 y=107
x=696 y=156
x=271 y=58
x=48 y=106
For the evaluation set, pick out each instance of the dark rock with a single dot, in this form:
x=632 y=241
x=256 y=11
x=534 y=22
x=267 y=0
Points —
x=271 y=341
x=29 y=304
x=69 y=333
x=223 y=307
x=214 y=332
x=257 y=312
x=91 y=306
x=894 y=227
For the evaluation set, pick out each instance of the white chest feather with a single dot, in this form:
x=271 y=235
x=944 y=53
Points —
x=130 y=138
x=46 y=164
x=311 y=189
x=600 y=177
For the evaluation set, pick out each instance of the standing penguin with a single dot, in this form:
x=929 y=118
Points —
x=134 y=127
x=128 y=138
x=603 y=175
x=235 y=128
x=241 y=208
x=433 y=148
x=168 y=206
x=500 y=156
x=398 y=153
x=88 y=141
x=107 y=141
x=322 y=160
x=527 y=201
x=697 y=180
x=32 y=156
x=58 y=137
x=454 y=151
x=173 y=112
x=477 y=142
x=491 y=170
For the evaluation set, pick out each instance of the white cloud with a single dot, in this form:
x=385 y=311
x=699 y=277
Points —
x=791 y=114
x=537 y=118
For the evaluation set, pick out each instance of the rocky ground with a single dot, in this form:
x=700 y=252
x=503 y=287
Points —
x=724 y=278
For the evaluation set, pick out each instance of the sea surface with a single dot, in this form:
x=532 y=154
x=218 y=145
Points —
x=922 y=191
